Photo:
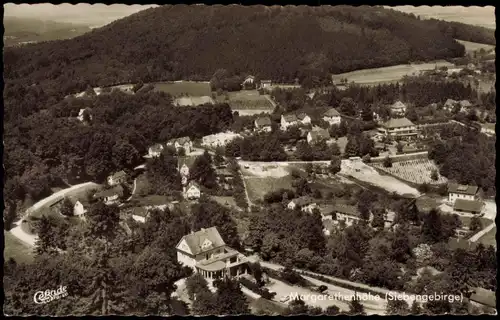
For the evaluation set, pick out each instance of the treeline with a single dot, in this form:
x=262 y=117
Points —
x=52 y=144
x=466 y=156
x=277 y=43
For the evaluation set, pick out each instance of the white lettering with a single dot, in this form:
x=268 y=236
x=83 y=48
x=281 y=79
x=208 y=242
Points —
x=42 y=297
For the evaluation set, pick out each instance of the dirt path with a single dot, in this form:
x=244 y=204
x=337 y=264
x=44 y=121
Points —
x=481 y=233
x=19 y=233
x=246 y=192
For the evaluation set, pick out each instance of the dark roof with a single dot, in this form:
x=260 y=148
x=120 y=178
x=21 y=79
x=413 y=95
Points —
x=468 y=205
x=303 y=201
x=116 y=190
x=185 y=160
x=331 y=113
x=346 y=209
x=397 y=123
x=196 y=239
x=192 y=183
x=398 y=105
x=462 y=189
x=484 y=297
x=290 y=118
x=156 y=147
x=319 y=134
x=263 y=121
x=301 y=116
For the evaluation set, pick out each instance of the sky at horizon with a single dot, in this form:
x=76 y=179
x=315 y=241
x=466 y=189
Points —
x=101 y=14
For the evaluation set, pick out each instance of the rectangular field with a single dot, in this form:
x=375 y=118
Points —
x=257 y=187
x=246 y=100
x=416 y=171
x=387 y=74
x=189 y=88
x=474 y=46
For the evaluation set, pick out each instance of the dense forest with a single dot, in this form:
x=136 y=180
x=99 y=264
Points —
x=53 y=145
x=192 y=42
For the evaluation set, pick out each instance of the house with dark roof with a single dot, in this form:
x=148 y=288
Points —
x=398 y=108
x=155 y=150
x=110 y=195
x=343 y=212
x=306 y=204
x=206 y=252
x=183 y=142
x=288 y=120
x=117 y=178
x=304 y=118
x=461 y=191
x=401 y=128
x=263 y=124
x=332 y=116
x=315 y=136
x=192 y=191
x=468 y=206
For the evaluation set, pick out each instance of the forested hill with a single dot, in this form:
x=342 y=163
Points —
x=192 y=42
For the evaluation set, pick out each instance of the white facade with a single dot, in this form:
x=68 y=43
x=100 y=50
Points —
x=192 y=192
x=155 y=152
x=184 y=170
x=285 y=124
x=78 y=209
x=333 y=120
x=452 y=196
x=306 y=120
x=187 y=146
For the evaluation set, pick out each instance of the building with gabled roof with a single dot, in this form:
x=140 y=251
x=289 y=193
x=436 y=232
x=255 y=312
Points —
x=263 y=123
x=398 y=108
x=401 y=128
x=183 y=142
x=468 y=206
x=155 y=150
x=315 y=136
x=305 y=203
x=461 y=191
x=117 y=178
x=184 y=164
x=206 y=252
x=192 y=191
x=332 y=116
x=110 y=195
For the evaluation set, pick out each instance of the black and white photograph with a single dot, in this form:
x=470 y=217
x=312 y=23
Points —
x=263 y=159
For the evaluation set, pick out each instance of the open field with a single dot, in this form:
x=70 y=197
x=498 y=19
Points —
x=474 y=46
x=258 y=187
x=387 y=74
x=489 y=238
x=16 y=249
x=189 y=88
x=369 y=175
x=246 y=100
x=416 y=171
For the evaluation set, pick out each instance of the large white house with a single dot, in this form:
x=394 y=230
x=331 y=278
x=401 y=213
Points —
x=184 y=143
x=460 y=191
x=332 y=116
x=192 y=191
x=401 y=128
x=294 y=120
x=398 y=108
x=206 y=252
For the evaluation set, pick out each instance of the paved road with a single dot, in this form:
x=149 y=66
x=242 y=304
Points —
x=30 y=239
x=481 y=233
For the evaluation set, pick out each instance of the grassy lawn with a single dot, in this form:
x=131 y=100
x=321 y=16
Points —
x=246 y=99
x=473 y=46
x=184 y=88
x=489 y=238
x=16 y=249
x=387 y=74
x=258 y=187
x=226 y=202
x=142 y=186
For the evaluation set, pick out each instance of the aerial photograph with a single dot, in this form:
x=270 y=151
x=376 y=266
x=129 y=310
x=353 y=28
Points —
x=225 y=160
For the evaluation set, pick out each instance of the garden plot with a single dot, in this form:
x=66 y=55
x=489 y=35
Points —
x=416 y=171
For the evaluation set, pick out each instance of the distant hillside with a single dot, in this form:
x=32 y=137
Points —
x=21 y=30
x=192 y=42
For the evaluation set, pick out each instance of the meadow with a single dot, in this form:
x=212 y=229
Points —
x=387 y=74
x=246 y=100
x=474 y=46
x=489 y=238
x=16 y=249
x=184 y=88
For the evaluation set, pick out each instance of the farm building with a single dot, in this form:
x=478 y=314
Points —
x=399 y=128
x=468 y=206
x=332 y=116
x=206 y=252
x=306 y=204
x=263 y=123
x=192 y=191
x=117 y=178
x=111 y=195
x=460 y=191
x=315 y=136
x=181 y=143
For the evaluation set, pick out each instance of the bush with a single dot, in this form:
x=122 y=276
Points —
x=387 y=162
x=263 y=292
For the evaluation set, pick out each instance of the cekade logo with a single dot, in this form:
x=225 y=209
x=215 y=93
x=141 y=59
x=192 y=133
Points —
x=42 y=297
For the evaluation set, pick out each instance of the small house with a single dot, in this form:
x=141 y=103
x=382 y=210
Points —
x=192 y=191
x=398 y=108
x=184 y=164
x=346 y=213
x=117 y=178
x=83 y=113
x=332 y=116
x=304 y=118
x=288 y=121
x=263 y=124
x=265 y=84
x=111 y=195
x=181 y=143
x=461 y=191
x=155 y=150
x=306 y=204
x=79 y=209
x=249 y=80
x=315 y=136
